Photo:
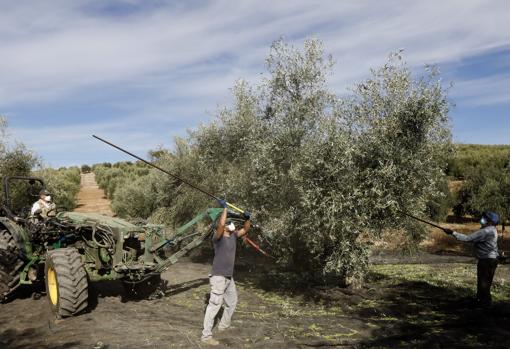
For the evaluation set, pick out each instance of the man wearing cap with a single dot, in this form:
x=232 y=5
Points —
x=486 y=249
x=44 y=207
x=223 y=288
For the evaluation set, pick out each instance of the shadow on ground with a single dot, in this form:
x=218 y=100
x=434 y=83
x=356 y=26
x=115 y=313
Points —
x=150 y=289
x=29 y=338
x=12 y=338
x=417 y=314
x=400 y=313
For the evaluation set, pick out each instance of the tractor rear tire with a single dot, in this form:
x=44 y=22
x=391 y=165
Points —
x=66 y=282
x=10 y=265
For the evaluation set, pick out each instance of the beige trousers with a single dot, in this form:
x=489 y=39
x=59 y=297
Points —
x=223 y=291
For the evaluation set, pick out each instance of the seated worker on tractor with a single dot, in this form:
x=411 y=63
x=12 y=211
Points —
x=486 y=250
x=44 y=207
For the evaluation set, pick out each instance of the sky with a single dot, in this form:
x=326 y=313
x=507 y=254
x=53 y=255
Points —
x=140 y=73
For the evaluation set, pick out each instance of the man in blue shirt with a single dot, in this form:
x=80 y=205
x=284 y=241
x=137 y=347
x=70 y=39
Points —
x=485 y=243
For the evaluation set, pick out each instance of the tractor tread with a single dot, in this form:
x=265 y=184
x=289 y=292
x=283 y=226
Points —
x=10 y=264
x=71 y=280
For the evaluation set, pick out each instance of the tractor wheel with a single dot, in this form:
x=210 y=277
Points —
x=66 y=282
x=10 y=264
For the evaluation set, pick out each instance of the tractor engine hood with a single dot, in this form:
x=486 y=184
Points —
x=89 y=219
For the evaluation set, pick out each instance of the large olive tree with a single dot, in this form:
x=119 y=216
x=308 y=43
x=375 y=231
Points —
x=319 y=171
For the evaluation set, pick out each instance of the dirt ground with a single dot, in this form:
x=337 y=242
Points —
x=406 y=302
x=91 y=198
x=400 y=306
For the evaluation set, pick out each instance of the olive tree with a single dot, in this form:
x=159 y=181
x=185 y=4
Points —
x=320 y=171
x=15 y=160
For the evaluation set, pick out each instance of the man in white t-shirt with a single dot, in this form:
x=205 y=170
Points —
x=44 y=207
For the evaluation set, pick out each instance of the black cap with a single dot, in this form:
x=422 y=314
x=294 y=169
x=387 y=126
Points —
x=44 y=192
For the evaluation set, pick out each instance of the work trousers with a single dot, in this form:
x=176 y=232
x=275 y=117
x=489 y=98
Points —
x=485 y=274
x=223 y=291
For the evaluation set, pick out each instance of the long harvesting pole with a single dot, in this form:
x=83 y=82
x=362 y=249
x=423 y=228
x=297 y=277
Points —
x=253 y=244
x=168 y=173
x=157 y=167
x=422 y=220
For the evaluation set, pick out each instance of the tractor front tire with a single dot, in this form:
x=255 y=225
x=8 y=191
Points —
x=66 y=282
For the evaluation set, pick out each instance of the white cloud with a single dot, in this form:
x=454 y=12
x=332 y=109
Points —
x=74 y=145
x=66 y=49
x=176 y=62
x=486 y=91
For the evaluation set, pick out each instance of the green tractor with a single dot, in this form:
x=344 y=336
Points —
x=68 y=250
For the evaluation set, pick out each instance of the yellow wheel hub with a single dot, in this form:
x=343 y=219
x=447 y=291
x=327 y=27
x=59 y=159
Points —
x=52 y=286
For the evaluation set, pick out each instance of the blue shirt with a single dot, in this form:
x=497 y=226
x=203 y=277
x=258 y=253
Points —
x=485 y=242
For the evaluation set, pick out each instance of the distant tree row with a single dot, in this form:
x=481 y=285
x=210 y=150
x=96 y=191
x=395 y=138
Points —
x=473 y=157
x=485 y=174
x=121 y=183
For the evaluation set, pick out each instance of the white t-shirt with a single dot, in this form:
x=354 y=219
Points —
x=39 y=205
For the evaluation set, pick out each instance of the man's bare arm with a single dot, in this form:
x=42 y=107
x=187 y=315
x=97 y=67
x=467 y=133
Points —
x=220 y=228
x=244 y=230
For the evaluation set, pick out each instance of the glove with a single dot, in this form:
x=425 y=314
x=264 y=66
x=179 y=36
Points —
x=222 y=202
x=448 y=231
x=247 y=215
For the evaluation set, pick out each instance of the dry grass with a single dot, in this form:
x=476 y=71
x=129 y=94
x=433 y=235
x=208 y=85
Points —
x=454 y=186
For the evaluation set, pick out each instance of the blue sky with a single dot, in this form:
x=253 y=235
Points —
x=142 y=72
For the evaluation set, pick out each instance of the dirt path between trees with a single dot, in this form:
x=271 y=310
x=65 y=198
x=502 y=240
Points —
x=91 y=198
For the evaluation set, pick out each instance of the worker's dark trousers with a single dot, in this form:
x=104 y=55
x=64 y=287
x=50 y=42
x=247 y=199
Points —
x=485 y=272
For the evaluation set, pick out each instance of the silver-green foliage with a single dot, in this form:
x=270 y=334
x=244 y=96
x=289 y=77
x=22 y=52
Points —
x=318 y=170
x=15 y=160
x=156 y=196
x=110 y=178
x=486 y=188
x=486 y=170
